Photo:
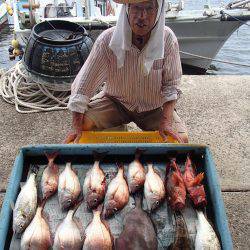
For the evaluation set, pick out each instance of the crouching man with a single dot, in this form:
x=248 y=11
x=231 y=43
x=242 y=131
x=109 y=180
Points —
x=139 y=62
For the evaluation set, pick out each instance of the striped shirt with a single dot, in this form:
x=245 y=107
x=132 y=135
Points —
x=128 y=84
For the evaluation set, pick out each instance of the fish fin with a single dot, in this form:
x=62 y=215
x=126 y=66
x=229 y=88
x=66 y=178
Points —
x=168 y=168
x=177 y=179
x=12 y=205
x=104 y=181
x=78 y=202
x=99 y=156
x=157 y=171
x=139 y=152
x=46 y=216
x=178 y=169
x=79 y=226
x=105 y=223
x=198 y=179
x=75 y=171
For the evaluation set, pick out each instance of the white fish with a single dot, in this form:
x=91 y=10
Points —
x=69 y=234
x=94 y=186
x=25 y=206
x=154 y=190
x=37 y=234
x=97 y=234
x=68 y=187
x=206 y=238
x=117 y=195
x=136 y=173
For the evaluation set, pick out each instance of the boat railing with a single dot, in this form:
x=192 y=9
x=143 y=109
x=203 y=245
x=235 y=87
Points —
x=240 y=4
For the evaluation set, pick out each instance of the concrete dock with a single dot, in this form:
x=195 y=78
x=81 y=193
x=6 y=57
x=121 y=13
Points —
x=216 y=110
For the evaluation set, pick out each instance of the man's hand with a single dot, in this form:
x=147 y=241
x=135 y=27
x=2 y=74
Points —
x=77 y=124
x=166 y=122
x=166 y=128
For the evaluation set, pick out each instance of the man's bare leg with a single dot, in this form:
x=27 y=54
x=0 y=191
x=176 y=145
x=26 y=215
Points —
x=88 y=124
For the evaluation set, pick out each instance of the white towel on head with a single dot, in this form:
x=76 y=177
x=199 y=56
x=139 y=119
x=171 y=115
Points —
x=122 y=38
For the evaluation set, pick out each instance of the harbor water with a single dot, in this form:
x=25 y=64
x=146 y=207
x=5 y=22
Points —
x=236 y=49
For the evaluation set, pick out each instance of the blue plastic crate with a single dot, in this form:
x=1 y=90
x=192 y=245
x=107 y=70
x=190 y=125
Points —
x=216 y=210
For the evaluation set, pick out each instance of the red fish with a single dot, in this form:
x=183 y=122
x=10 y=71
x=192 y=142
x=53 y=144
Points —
x=194 y=186
x=49 y=182
x=175 y=186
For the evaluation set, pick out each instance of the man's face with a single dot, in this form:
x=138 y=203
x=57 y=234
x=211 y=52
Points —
x=142 y=16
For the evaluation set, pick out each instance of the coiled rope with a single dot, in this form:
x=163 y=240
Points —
x=31 y=94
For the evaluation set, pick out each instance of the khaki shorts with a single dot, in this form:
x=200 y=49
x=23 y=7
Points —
x=107 y=112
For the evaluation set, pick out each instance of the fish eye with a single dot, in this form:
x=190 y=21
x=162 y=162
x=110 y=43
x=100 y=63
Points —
x=157 y=203
x=68 y=201
x=95 y=200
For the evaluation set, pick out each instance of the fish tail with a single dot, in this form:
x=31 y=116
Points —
x=99 y=156
x=188 y=163
x=69 y=165
x=138 y=199
x=41 y=202
x=51 y=156
x=120 y=166
x=181 y=229
x=173 y=164
x=34 y=169
x=99 y=208
x=139 y=152
x=150 y=166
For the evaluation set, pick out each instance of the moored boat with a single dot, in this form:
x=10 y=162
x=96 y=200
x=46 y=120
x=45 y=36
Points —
x=197 y=48
x=3 y=14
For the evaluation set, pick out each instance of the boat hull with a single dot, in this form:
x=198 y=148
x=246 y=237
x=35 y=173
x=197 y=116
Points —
x=3 y=15
x=195 y=37
x=204 y=38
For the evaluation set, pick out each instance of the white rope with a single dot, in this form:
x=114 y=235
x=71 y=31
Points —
x=32 y=94
x=215 y=60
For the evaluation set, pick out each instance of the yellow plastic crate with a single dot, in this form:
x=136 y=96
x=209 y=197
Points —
x=123 y=137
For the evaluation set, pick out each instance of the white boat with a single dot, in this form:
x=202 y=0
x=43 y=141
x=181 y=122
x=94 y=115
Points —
x=201 y=33
x=3 y=14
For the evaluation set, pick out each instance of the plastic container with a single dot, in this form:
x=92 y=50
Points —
x=81 y=156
